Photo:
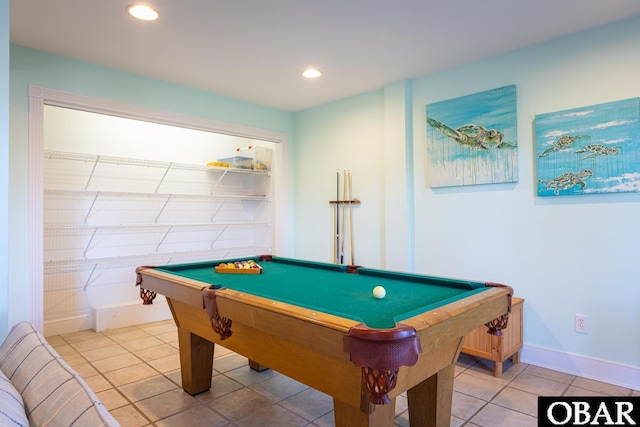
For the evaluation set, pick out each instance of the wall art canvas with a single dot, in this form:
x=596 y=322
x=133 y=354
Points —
x=589 y=150
x=472 y=140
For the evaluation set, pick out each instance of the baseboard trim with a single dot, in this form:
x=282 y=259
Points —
x=583 y=366
x=129 y=314
x=64 y=326
x=111 y=316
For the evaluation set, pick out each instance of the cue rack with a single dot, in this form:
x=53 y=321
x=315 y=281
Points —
x=344 y=202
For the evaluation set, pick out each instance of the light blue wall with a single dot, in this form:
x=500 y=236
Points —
x=4 y=163
x=31 y=67
x=564 y=255
x=345 y=135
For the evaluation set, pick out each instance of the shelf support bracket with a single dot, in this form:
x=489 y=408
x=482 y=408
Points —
x=218 y=236
x=95 y=165
x=166 y=202
x=164 y=176
x=86 y=218
x=86 y=249
x=218 y=181
x=86 y=284
x=213 y=215
x=164 y=237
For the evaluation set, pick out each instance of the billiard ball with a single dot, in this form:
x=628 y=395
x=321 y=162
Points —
x=379 y=292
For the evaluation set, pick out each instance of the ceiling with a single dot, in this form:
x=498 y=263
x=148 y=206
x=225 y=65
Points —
x=255 y=50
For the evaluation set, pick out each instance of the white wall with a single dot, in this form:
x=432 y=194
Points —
x=4 y=163
x=564 y=255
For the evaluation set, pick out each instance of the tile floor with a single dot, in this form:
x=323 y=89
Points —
x=135 y=373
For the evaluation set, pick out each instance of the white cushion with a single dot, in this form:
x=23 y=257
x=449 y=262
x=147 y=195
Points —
x=11 y=405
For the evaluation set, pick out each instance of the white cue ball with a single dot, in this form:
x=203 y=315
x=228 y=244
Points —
x=379 y=292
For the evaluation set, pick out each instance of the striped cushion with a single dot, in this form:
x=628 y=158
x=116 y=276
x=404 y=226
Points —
x=11 y=406
x=53 y=393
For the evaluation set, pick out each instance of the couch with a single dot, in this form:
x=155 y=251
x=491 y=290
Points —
x=38 y=388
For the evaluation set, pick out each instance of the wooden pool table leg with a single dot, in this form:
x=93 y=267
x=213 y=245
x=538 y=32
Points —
x=430 y=401
x=350 y=416
x=256 y=366
x=196 y=362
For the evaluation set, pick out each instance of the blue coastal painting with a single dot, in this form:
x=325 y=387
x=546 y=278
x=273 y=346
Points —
x=589 y=150
x=472 y=140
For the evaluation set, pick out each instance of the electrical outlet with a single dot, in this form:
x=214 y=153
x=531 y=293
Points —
x=581 y=323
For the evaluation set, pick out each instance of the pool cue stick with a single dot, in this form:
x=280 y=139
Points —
x=344 y=217
x=333 y=230
x=351 y=222
x=337 y=219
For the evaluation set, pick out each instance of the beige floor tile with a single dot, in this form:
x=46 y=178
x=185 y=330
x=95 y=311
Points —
x=166 y=404
x=147 y=388
x=112 y=399
x=310 y=404
x=560 y=377
x=272 y=415
x=156 y=352
x=136 y=334
x=220 y=386
x=175 y=376
x=236 y=405
x=160 y=328
x=465 y=406
x=229 y=362
x=577 y=391
x=142 y=343
x=471 y=385
x=119 y=331
x=276 y=387
x=247 y=376
x=74 y=359
x=166 y=364
x=196 y=416
x=325 y=421
x=76 y=337
x=168 y=337
x=85 y=370
x=130 y=374
x=92 y=344
x=600 y=387
x=129 y=416
x=518 y=400
x=98 y=383
x=401 y=404
x=538 y=385
x=116 y=362
x=497 y=416
x=219 y=351
x=104 y=352
x=65 y=350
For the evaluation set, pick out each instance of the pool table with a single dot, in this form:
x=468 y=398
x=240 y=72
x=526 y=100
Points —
x=320 y=324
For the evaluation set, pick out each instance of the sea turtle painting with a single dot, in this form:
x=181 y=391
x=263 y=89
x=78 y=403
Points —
x=473 y=136
x=563 y=142
x=598 y=150
x=567 y=180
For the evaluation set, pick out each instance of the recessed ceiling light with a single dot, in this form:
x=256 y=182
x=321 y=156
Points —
x=311 y=73
x=142 y=12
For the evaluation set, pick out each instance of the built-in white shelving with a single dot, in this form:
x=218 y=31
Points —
x=106 y=215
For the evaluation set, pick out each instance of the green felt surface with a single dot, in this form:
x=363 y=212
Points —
x=328 y=288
